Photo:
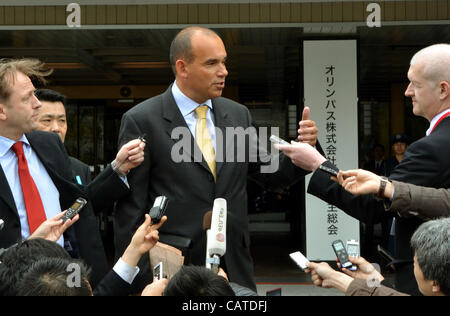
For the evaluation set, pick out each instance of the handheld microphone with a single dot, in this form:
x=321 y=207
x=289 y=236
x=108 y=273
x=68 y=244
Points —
x=216 y=244
x=2 y=224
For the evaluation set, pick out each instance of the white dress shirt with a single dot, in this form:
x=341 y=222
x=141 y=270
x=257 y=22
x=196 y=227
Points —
x=187 y=108
x=435 y=120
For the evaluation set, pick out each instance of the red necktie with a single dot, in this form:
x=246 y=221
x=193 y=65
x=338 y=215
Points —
x=33 y=203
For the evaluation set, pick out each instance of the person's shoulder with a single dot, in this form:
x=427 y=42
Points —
x=228 y=102
x=77 y=162
x=146 y=105
x=230 y=106
x=44 y=137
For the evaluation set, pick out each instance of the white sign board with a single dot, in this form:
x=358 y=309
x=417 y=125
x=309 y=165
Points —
x=330 y=83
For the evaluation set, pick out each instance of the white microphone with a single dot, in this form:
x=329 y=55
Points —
x=216 y=244
x=2 y=223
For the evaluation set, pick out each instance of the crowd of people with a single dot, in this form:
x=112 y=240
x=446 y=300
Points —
x=40 y=182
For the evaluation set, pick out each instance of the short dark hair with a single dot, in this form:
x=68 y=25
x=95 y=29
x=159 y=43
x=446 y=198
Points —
x=181 y=46
x=431 y=243
x=52 y=277
x=197 y=281
x=51 y=96
x=17 y=260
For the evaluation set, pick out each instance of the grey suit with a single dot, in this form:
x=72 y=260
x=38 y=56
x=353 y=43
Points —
x=189 y=185
x=413 y=200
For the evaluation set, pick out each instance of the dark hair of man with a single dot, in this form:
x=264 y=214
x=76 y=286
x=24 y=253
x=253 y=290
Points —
x=181 y=47
x=431 y=243
x=197 y=281
x=50 y=96
x=33 y=68
x=51 y=276
x=17 y=260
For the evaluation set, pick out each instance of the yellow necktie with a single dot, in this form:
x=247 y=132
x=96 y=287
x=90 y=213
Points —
x=203 y=139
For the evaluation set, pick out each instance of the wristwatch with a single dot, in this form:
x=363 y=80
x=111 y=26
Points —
x=115 y=168
x=383 y=182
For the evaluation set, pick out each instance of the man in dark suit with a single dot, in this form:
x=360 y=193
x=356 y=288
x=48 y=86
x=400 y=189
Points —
x=35 y=173
x=426 y=162
x=53 y=118
x=191 y=183
x=377 y=163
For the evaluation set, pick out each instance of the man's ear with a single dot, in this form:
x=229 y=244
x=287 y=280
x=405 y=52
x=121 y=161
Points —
x=181 y=67
x=435 y=287
x=3 y=115
x=444 y=90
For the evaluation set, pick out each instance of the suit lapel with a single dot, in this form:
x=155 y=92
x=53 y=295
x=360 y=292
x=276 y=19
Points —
x=174 y=118
x=5 y=192
x=60 y=175
x=221 y=123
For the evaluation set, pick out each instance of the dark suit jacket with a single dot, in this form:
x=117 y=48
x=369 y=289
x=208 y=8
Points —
x=426 y=163
x=190 y=185
x=84 y=235
x=81 y=170
x=112 y=285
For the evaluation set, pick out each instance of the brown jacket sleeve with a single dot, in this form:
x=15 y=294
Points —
x=426 y=203
x=359 y=287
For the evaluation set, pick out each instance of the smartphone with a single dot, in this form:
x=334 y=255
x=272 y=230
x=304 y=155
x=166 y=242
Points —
x=158 y=271
x=159 y=209
x=341 y=253
x=353 y=250
x=299 y=259
x=274 y=292
x=76 y=207
x=277 y=140
x=330 y=171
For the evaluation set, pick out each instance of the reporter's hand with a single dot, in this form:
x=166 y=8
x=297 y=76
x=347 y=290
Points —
x=324 y=276
x=307 y=132
x=365 y=271
x=144 y=239
x=302 y=155
x=52 y=229
x=222 y=273
x=130 y=156
x=359 y=181
x=156 y=288
x=320 y=273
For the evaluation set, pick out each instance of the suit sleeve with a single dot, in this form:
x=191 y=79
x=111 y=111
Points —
x=365 y=208
x=112 y=285
x=129 y=211
x=428 y=203
x=275 y=171
x=106 y=188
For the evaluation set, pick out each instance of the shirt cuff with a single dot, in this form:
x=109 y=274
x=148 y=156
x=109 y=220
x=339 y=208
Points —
x=125 y=271
x=125 y=180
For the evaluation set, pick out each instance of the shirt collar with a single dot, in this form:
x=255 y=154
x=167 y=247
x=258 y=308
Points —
x=185 y=104
x=6 y=144
x=435 y=120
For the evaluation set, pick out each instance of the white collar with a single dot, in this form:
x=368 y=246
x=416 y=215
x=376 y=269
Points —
x=185 y=104
x=435 y=120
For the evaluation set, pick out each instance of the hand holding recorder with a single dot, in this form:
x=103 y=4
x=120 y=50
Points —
x=144 y=239
x=53 y=228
